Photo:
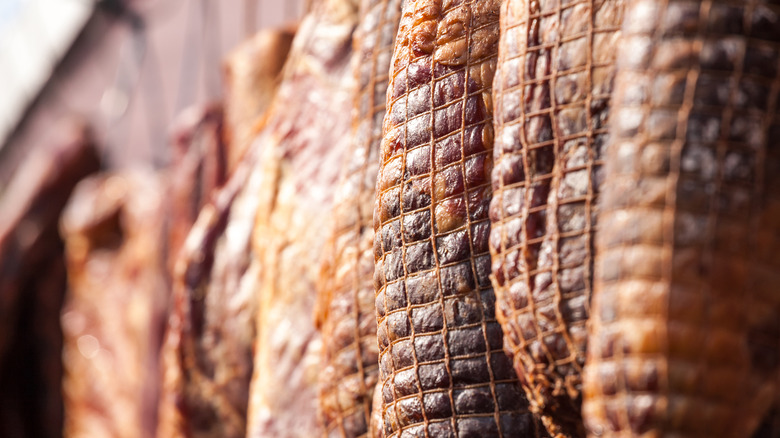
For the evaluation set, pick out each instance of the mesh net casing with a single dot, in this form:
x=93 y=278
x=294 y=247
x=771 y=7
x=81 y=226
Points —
x=441 y=362
x=685 y=323
x=346 y=313
x=552 y=97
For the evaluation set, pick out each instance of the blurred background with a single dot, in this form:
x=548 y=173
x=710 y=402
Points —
x=127 y=67
x=115 y=120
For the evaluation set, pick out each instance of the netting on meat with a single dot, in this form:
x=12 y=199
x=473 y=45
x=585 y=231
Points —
x=350 y=353
x=552 y=90
x=685 y=331
x=442 y=365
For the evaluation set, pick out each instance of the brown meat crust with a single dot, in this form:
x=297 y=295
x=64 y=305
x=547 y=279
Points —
x=552 y=96
x=346 y=314
x=686 y=314
x=442 y=365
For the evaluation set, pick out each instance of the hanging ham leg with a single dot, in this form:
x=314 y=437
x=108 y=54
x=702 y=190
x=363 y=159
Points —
x=441 y=362
x=686 y=313
x=552 y=96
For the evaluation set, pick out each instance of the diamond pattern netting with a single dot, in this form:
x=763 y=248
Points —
x=442 y=366
x=685 y=317
x=347 y=315
x=552 y=90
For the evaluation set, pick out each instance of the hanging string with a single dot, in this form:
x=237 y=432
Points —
x=212 y=49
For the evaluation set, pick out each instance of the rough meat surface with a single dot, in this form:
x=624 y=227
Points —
x=303 y=143
x=207 y=358
x=686 y=314
x=552 y=96
x=113 y=318
x=442 y=365
x=346 y=314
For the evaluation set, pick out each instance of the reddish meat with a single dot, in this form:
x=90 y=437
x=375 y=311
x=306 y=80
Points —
x=33 y=282
x=252 y=74
x=303 y=143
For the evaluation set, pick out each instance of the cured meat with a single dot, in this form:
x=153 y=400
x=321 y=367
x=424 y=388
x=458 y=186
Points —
x=198 y=166
x=552 y=96
x=347 y=315
x=114 y=313
x=303 y=143
x=252 y=73
x=32 y=281
x=685 y=321
x=207 y=358
x=441 y=362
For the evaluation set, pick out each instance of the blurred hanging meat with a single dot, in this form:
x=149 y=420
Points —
x=552 y=93
x=442 y=364
x=197 y=167
x=347 y=316
x=114 y=312
x=207 y=357
x=686 y=313
x=305 y=137
x=33 y=283
x=252 y=74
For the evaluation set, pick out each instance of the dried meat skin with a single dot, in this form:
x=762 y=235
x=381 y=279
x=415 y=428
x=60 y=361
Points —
x=552 y=96
x=207 y=355
x=347 y=315
x=441 y=362
x=115 y=308
x=305 y=138
x=33 y=281
x=686 y=315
